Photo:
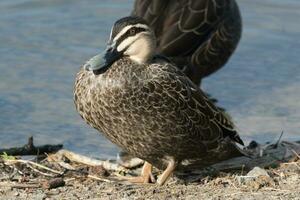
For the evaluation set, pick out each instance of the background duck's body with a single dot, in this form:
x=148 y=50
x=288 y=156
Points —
x=197 y=35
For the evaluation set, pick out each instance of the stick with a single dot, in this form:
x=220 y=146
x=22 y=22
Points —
x=19 y=186
x=33 y=163
x=99 y=179
x=30 y=149
x=90 y=161
x=40 y=172
x=296 y=154
x=279 y=140
x=66 y=165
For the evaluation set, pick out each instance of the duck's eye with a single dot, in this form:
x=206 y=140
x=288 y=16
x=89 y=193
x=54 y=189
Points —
x=132 y=31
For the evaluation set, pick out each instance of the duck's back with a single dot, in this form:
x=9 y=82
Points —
x=198 y=35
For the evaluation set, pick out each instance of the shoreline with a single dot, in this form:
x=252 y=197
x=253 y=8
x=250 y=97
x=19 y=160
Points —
x=66 y=175
x=223 y=187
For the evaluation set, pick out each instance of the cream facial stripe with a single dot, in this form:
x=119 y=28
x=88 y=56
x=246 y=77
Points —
x=110 y=34
x=128 y=41
x=126 y=28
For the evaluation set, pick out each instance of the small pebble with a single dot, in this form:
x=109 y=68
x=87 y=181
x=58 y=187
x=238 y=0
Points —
x=257 y=171
x=252 y=175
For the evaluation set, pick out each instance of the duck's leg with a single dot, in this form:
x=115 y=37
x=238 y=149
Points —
x=167 y=173
x=145 y=176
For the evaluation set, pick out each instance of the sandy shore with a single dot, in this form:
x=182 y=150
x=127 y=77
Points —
x=282 y=182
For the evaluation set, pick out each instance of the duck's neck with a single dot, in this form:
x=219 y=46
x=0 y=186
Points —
x=141 y=60
x=142 y=51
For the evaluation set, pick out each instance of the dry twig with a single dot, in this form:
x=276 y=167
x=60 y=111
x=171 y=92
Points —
x=19 y=186
x=9 y=162
x=100 y=179
x=87 y=161
x=40 y=172
x=296 y=154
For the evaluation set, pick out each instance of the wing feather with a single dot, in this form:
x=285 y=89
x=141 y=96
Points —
x=201 y=34
x=193 y=107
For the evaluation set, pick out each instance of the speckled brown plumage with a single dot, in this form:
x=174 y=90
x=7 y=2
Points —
x=200 y=35
x=154 y=112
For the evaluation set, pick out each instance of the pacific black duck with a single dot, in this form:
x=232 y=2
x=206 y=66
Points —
x=149 y=108
x=197 y=35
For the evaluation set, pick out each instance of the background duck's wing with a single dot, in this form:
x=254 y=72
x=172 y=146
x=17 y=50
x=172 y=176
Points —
x=201 y=34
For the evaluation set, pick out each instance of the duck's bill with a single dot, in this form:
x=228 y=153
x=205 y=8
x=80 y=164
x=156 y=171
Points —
x=101 y=62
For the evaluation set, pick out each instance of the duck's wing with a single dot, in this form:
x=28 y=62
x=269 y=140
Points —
x=194 y=107
x=199 y=33
x=150 y=10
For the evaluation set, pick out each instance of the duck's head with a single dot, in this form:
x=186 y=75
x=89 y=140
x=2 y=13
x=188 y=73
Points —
x=130 y=37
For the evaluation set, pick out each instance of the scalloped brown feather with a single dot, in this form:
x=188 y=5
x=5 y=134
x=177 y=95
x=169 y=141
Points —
x=153 y=111
x=200 y=35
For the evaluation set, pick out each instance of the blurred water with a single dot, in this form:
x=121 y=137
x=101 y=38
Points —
x=43 y=43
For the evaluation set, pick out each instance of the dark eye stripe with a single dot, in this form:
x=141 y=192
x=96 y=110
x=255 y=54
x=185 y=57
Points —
x=129 y=33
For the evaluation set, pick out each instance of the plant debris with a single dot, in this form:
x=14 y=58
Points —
x=272 y=173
